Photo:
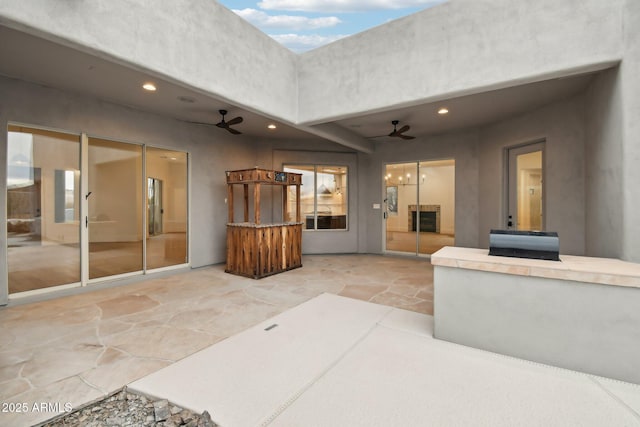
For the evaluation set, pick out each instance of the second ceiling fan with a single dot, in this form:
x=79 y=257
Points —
x=399 y=133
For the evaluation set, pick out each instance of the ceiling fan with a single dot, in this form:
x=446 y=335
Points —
x=224 y=124
x=398 y=133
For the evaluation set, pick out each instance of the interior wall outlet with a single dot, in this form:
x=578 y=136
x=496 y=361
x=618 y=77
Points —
x=225 y=200
x=376 y=206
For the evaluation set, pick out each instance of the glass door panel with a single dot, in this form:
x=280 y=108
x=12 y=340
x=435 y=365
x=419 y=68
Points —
x=166 y=207
x=43 y=209
x=437 y=205
x=526 y=188
x=115 y=208
x=401 y=203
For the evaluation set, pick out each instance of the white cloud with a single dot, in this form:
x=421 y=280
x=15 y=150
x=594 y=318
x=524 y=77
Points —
x=263 y=20
x=334 y=6
x=300 y=43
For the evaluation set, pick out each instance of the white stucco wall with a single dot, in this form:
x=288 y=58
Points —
x=604 y=228
x=456 y=48
x=197 y=43
x=561 y=126
x=613 y=151
x=423 y=57
x=630 y=89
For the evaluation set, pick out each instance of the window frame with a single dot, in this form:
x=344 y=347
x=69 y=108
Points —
x=297 y=166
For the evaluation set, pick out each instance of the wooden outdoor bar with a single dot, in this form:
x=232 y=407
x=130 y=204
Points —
x=258 y=250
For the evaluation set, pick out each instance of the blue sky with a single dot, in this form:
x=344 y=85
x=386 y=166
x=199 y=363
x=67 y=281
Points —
x=302 y=25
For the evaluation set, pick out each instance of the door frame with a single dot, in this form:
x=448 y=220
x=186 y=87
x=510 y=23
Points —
x=384 y=205
x=510 y=208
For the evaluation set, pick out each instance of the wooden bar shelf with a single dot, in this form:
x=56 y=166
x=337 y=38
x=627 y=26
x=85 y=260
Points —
x=258 y=250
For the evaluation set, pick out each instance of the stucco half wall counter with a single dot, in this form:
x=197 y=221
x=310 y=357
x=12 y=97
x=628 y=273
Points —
x=580 y=313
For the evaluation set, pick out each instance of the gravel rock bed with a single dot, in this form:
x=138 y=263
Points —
x=125 y=408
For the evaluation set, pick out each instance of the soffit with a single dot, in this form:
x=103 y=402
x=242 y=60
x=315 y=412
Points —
x=41 y=61
x=44 y=62
x=467 y=111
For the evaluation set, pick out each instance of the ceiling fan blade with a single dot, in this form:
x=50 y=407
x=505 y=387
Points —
x=221 y=125
x=407 y=137
x=404 y=128
x=394 y=133
x=197 y=123
x=234 y=121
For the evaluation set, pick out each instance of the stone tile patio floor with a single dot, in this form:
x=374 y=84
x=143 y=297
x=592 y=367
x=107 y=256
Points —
x=80 y=348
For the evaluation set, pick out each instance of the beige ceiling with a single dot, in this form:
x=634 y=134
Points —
x=41 y=61
x=467 y=111
x=37 y=60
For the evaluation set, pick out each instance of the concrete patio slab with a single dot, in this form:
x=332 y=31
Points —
x=335 y=361
x=245 y=379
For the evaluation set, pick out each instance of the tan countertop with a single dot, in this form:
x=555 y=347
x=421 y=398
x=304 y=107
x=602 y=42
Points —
x=605 y=271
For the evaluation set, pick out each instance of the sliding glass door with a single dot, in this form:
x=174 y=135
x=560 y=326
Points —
x=419 y=206
x=115 y=208
x=166 y=173
x=401 y=195
x=81 y=208
x=43 y=209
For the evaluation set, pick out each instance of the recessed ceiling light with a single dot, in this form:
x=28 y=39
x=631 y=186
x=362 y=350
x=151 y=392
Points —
x=186 y=99
x=149 y=86
x=272 y=126
x=443 y=111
